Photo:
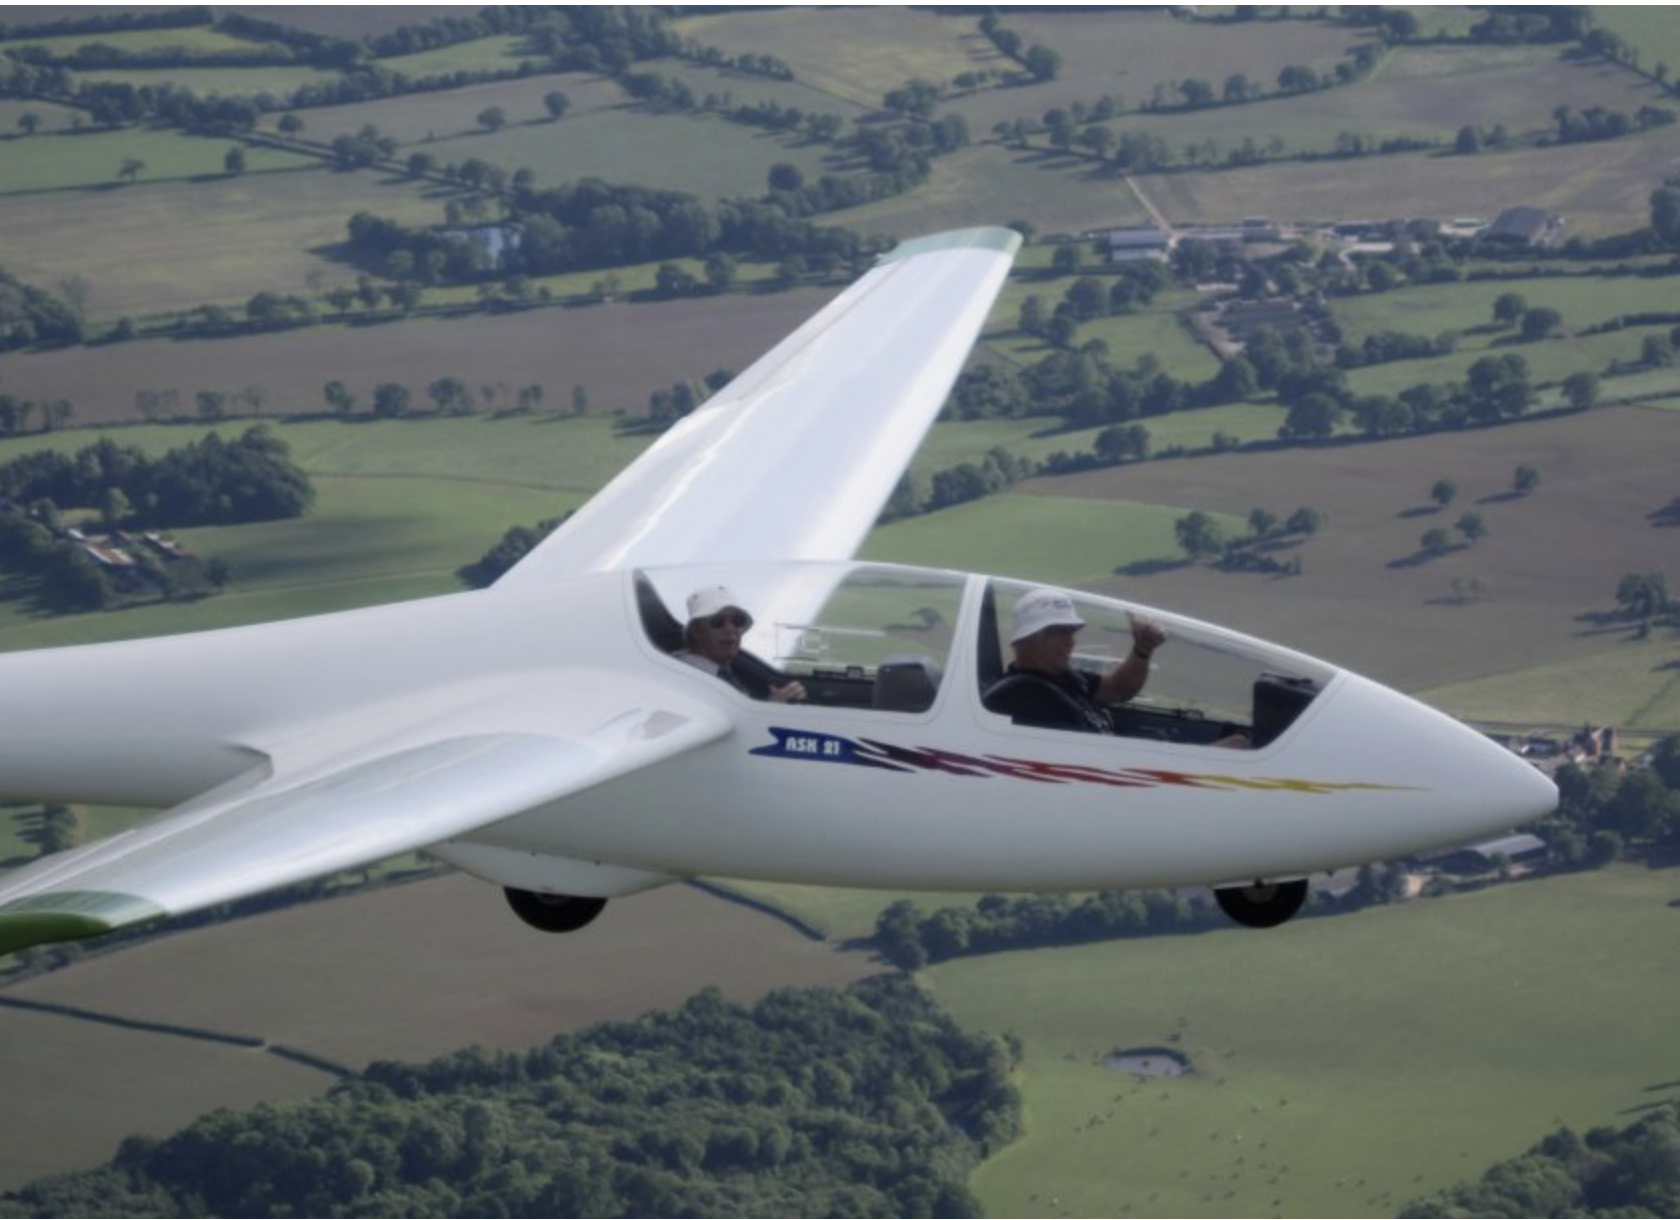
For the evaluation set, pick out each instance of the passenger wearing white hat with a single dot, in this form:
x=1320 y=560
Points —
x=712 y=642
x=1042 y=688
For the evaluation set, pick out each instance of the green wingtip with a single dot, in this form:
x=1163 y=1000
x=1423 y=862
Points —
x=46 y=918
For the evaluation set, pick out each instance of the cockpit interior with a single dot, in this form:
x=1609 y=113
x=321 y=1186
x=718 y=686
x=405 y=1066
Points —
x=911 y=640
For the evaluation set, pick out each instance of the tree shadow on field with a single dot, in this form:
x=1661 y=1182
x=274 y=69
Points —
x=1152 y=567
x=1421 y=510
x=1502 y=497
x=1666 y=517
x=1418 y=558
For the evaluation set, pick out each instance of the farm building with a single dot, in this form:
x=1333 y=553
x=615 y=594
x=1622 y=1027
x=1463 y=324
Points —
x=1486 y=856
x=1526 y=226
x=1130 y=245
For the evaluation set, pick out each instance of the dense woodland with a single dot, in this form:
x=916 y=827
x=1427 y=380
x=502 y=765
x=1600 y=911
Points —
x=207 y=482
x=868 y=1102
x=1634 y=1171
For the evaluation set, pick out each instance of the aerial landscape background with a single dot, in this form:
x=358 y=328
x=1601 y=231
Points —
x=1354 y=329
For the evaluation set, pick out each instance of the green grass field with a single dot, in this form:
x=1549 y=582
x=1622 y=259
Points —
x=498 y=53
x=158 y=246
x=1602 y=187
x=1059 y=540
x=1342 y=1066
x=853 y=55
x=1419 y=93
x=93 y=159
x=1429 y=309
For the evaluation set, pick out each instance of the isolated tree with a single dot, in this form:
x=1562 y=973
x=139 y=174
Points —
x=1580 y=389
x=290 y=125
x=1642 y=595
x=1525 y=479
x=233 y=161
x=1435 y=541
x=673 y=279
x=1199 y=535
x=132 y=168
x=1443 y=492
x=1121 y=442
x=1042 y=62
x=1033 y=317
x=28 y=122
x=1539 y=323
x=450 y=395
x=390 y=400
x=1497 y=387
x=720 y=271
x=492 y=118
x=785 y=177
x=1472 y=527
x=1313 y=418
x=1306 y=521
x=339 y=398
x=1508 y=307
x=556 y=103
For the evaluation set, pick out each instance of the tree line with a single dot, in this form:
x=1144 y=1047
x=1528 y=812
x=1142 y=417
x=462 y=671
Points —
x=210 y=482
x=207 y=482
x=869 y=1101
x=1628 y=1171
x=1603 y=815
x=30 y=316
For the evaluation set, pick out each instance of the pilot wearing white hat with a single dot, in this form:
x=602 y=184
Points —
x=712 y=642
x=1043 y=688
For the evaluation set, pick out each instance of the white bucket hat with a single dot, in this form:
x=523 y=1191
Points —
x=1043 y=608
x=713 y=599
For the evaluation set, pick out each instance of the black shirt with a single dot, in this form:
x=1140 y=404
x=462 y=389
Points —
x=1050 y=701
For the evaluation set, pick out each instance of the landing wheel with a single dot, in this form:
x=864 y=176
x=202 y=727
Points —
x=553 y=912
x=1263 y=904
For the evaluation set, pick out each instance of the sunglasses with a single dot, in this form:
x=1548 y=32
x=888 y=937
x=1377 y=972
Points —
x=730 y=618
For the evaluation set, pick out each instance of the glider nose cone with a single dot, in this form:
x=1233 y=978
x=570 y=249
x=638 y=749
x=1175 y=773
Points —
x=1512 y=785
x=1469 y=784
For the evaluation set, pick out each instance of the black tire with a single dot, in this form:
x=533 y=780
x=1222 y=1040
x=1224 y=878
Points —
x=554 y=912
x=1265 y=904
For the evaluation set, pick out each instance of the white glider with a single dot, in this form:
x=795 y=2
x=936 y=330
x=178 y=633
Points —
x=541 y=734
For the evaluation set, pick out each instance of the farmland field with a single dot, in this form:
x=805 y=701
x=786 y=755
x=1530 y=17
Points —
x=374 y=990
x=132 y=245
x=1417 y=94
x=603 y=349
x=852 y=55
x=1160 y=50
x=1548 y=566
x=1341 y=1067
x=92 y=159
x=423 y=117
x=991 y=184
x=1601 y=187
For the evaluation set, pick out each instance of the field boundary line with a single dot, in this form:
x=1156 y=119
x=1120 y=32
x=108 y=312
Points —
x=192 y=1033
